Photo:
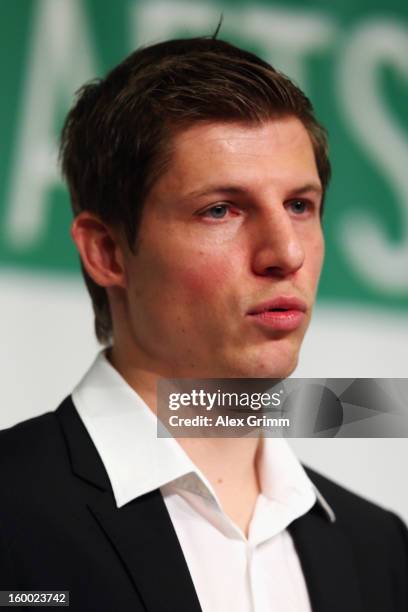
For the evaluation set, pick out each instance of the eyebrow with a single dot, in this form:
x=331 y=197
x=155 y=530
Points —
x=309 y=188
x=235 y=190
x=217 y=189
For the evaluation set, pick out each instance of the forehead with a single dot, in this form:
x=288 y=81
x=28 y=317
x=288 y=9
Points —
x=278 y=151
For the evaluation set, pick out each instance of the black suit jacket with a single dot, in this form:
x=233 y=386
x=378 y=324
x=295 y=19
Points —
x=60 y=529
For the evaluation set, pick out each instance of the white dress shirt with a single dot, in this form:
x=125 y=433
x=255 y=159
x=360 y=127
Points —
x=230 y=572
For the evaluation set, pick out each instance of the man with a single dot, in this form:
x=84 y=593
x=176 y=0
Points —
x=197 y=175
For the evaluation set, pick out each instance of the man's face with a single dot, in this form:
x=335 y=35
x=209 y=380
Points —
x=230 y=233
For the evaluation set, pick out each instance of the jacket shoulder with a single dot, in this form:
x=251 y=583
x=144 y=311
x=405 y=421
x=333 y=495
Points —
x=31 y=449
x=344 y=501
x=362 y=519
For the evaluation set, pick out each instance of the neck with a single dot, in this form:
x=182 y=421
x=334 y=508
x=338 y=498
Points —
x=229 y=464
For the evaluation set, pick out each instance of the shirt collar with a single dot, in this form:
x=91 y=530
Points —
x=124 y=431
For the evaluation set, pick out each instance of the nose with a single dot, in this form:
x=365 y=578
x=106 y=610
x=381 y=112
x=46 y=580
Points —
x=277 y=248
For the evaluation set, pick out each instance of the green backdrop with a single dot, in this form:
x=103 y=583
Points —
x=351 y=57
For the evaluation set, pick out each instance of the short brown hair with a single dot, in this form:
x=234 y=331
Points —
x=113 y=144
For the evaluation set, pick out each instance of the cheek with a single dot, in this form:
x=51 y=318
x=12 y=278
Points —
x=315 y=258
x=183 y=277
x=203 y=276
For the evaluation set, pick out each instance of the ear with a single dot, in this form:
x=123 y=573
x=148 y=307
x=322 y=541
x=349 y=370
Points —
x=100 y=249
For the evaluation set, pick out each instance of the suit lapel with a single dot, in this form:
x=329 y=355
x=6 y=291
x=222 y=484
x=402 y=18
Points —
x=141 y=531
x=144 y=537
x=327 y=562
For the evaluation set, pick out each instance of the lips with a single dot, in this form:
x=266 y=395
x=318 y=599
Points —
x=279 y=304
x=280 y=314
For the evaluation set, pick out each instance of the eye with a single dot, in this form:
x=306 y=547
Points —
x=299 y=207
x=216 y=212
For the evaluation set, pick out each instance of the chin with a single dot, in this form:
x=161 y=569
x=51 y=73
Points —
x=266 y=368
x=276 y=372
x=275 y=364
